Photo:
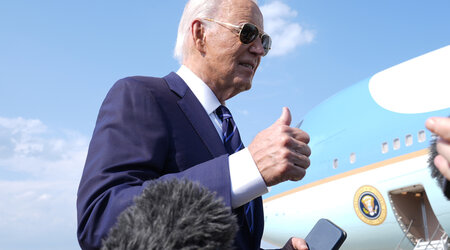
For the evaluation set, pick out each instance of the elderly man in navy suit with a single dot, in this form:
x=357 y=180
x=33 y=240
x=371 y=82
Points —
x=178 y=127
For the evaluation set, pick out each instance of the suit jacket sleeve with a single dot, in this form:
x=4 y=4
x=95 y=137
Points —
x=131 y=145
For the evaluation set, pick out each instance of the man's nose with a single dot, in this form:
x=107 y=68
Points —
x=256 y=47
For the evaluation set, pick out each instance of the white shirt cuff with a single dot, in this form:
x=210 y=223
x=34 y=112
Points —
x=246 y=181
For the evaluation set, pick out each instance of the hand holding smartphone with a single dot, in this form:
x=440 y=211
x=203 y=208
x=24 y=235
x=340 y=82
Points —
x=325 y=235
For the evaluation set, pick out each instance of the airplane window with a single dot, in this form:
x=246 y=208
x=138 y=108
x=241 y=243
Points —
x=335 y=163
x=384 y=147
x=408 y=140
x=421 y=136
x=352 y=158
x=396 y=143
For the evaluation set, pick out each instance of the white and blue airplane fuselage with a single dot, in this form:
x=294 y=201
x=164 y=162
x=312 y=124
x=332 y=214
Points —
x=369 y=172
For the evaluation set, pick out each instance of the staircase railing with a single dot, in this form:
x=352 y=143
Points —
x=404 y=236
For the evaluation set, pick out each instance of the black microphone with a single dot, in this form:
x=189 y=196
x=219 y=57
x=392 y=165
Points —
x=174 y=214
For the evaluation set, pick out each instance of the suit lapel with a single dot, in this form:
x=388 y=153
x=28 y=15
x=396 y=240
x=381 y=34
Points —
x=196 y=115
x=202 y=124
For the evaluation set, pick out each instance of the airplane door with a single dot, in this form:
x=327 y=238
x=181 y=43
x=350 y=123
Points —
x=415 y=216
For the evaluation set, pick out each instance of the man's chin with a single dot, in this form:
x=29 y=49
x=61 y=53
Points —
x=244 y=83
x=245 y=86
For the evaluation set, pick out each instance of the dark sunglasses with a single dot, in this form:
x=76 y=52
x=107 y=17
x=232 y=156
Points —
x=248 y=32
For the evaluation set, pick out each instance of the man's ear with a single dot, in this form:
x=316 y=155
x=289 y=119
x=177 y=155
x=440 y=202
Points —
x=198 y=35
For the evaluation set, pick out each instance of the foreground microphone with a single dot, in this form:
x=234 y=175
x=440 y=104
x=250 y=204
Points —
x=435 y=173
x=174 y=214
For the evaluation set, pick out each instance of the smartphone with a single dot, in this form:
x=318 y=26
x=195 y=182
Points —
x=325 y=235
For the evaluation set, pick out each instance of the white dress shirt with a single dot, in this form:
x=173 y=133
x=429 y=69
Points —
x=246 y=181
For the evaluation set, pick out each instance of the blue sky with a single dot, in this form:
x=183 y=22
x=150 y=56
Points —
x=58 y=59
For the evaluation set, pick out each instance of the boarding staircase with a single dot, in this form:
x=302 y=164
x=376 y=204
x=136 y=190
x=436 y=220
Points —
x=441 y=244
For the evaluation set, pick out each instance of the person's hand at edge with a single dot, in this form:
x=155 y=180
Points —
x=295 y=244
x=441 y=127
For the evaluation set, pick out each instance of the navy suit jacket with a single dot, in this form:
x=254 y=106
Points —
x=152 y=128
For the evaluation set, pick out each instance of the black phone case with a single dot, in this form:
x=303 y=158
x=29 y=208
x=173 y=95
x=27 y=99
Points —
x=325 y=235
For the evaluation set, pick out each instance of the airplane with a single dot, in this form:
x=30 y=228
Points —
x=369 y=172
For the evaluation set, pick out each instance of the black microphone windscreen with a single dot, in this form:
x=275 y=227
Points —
x=434 y=171
x=174 y=214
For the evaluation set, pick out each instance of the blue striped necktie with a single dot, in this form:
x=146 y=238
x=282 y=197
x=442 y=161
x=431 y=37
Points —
x=233 y=143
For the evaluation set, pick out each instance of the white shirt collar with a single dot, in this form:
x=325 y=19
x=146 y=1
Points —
x=203 y=93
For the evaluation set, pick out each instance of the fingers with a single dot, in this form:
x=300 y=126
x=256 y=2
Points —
x=299 y=147
x=299 y=135
x=299 y=244
x=439 y=126
x=296 y=152
x=443 y=165
x=285 y=118
x=280 y=152
x=285 y=121
x=299 y=157
x=295 y=173
x=295 y=244
x=290 y=165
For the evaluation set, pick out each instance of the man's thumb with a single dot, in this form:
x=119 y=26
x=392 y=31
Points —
x=285 y=118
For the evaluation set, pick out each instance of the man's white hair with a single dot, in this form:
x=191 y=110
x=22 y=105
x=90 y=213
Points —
x=194 y=9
